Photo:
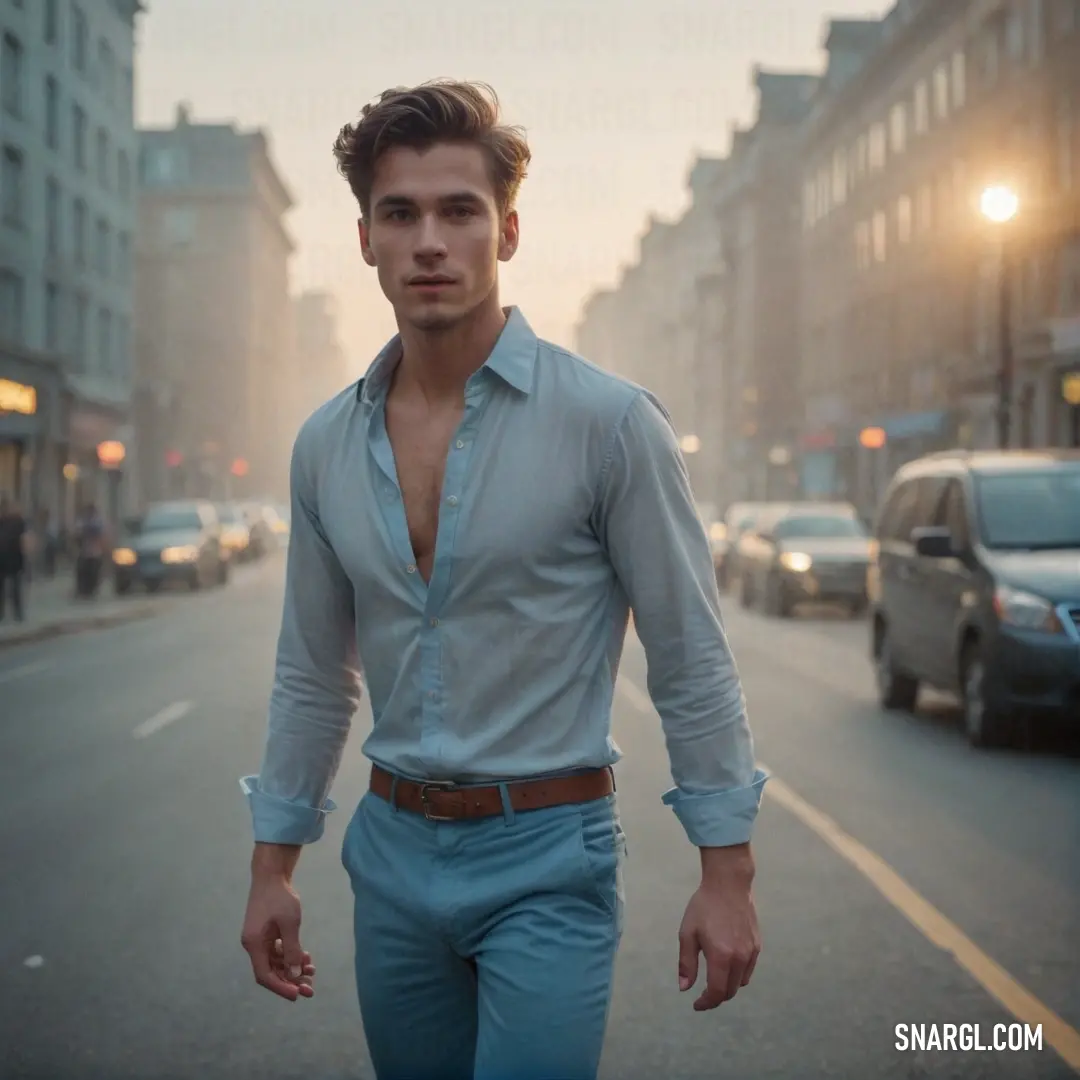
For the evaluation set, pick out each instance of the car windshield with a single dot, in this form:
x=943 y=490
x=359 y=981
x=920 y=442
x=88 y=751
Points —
x=1029 y=510
x=823 y=527
x=171 y=517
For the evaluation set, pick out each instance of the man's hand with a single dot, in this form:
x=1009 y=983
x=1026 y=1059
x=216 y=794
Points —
x=721 y=922
x=271 y=937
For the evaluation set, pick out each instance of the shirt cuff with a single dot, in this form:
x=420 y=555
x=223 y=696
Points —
x=278 y=821
x=720 y=818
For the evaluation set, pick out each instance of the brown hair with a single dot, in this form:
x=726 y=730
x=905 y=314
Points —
x=442 y=110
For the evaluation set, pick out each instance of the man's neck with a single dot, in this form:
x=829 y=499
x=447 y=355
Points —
x=436 y=365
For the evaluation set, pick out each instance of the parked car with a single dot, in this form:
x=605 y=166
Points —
x=738 y=519
x=235 y=532
x=805 y=552
x=174 y=542
x=975 y=587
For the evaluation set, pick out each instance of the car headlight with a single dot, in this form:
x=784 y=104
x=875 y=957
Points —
x=798 y=562
x=186 y=553
x=1025 y=610
x=123 y=557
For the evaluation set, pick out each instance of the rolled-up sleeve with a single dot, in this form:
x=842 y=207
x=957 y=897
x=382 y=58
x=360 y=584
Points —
x=316 y=688
x=659 y=549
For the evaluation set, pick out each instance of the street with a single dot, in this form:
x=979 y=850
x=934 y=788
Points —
x=902 y=876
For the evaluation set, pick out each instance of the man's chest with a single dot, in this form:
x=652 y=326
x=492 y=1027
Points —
x=493 y=502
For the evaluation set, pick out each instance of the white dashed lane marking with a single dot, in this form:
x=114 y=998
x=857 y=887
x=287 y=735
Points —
x=170 y=714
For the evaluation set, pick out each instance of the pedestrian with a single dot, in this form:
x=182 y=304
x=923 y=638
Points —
x=91 y=542
x=472 y=522
x=13 y=548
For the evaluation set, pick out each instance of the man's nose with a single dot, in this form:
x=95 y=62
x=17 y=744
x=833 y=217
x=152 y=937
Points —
x=430 y=243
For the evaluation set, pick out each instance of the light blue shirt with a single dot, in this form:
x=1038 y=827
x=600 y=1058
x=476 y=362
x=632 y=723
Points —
x=565 y=504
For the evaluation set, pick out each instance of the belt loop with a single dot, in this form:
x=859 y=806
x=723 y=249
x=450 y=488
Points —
x=393 y=792
x=508 y=809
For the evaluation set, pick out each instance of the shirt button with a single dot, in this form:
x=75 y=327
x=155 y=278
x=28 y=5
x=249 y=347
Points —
x=452 y=500
x=410 y=569
x=434 y=622
x=460 y=445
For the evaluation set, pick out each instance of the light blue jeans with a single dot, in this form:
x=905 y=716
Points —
x=485 y=949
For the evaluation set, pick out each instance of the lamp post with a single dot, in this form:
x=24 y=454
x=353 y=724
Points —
x=999 y=204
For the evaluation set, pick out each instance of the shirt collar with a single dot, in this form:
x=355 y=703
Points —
x=513 y=359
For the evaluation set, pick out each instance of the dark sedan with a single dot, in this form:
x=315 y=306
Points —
x=806 y=553
x=176 y=542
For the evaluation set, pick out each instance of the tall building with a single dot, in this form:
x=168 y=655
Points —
x=320 y=368
x=67 y=214
x=902 y=276
x=213 y=312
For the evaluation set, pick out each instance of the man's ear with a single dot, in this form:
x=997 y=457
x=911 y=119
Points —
x=509 y=236
x=365 y=242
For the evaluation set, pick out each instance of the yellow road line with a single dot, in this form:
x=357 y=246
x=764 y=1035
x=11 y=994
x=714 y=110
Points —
x=990 y=975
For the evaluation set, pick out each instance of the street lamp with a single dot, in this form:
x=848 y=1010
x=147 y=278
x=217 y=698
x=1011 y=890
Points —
x=1000 y=204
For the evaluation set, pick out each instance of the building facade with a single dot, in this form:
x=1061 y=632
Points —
x=904 y=281
x=67 y=216
x=214 y=316
x=320 y=368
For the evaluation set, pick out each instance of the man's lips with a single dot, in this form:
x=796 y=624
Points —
x=431 y=283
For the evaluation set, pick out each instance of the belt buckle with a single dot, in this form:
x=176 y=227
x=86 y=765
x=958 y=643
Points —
x=435 y=785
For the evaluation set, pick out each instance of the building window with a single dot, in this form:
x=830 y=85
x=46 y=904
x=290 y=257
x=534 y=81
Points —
x=101 y=258
x=11 y=75
x=107 y=71
x=898 y=128
x=824 y=203
x=80 y=39
x=879 y=236
x=52 y=113
x=989 y=56
x=941 y=92
x=52 y=216
x=13 y=188
x=80 y=329
x=839 y=178
x=877 y=147
x=52 y=22
x=862 y=245
x=123 y=346
x=163 y=166
x=12 y=306
x=78 y=227
x=862 y=155
x=103 y=158
x=1014 y=35
x=924 y=208
x=959 y=79
x=53 y=317
x=123 y=257
x=903 y=219
x=104 y=340
x=1067 y=117
x=123 y=174
x=809 y=204
x=78 y=135
x=1064 y=16
x=922 y=108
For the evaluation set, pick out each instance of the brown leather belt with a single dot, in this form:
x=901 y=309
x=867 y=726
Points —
x=445 y=801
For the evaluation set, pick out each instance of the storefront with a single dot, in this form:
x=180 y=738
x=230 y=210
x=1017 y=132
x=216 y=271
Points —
x=98 y=437
x=30 y=430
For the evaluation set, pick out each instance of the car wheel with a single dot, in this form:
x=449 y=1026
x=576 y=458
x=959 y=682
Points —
x=746 y=591
x=986 y=724
x=122 y=588
x=897 y=691
x=223 y=573
x=153 y=585
x=777 y=601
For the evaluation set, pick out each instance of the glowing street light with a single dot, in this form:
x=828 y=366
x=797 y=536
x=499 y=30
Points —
x=999 y=204
x=690 y=444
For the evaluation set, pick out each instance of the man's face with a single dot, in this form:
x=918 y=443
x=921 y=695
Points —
x=435 y=234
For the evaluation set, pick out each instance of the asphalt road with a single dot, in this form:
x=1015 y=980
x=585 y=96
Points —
x=902 y=877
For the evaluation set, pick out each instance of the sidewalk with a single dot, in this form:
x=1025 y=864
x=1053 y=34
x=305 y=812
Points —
x=51 y=609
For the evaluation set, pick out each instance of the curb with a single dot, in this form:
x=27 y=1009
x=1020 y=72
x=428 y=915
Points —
x=79 y=624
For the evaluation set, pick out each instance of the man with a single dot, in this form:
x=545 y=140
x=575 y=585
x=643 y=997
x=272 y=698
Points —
x=13 y=543
x=471 y=523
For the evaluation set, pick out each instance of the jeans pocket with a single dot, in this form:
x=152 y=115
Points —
x=603 y=849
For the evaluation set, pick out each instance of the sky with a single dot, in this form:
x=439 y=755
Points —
x=618 y=97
